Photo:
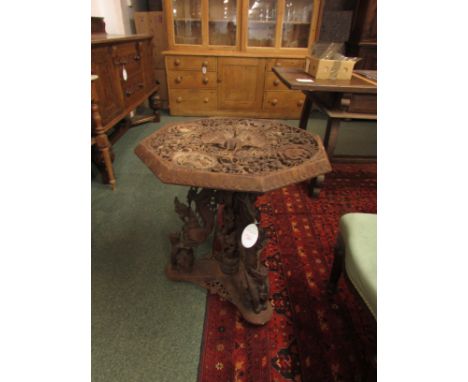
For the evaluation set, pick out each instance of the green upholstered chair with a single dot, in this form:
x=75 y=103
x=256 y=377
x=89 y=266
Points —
x=356 y=250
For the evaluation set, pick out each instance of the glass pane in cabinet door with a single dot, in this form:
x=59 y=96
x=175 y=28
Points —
x=296 y=24
x=262 y=23
x=187 y=21
x=223 y=22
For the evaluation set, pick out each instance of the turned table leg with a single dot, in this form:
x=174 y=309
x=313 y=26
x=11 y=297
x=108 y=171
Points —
x=232 y=271
x=331 y=136
x=103 y=145
x=155 y=104
x=305 y=111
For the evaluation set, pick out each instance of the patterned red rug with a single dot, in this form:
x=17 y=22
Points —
x=311 y=336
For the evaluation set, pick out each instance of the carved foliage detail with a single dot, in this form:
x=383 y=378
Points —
x=237 y=146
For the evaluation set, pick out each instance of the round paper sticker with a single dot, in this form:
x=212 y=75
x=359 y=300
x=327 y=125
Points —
x=249 y=236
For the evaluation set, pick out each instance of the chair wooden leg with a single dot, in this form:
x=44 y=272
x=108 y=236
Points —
x=338 y=264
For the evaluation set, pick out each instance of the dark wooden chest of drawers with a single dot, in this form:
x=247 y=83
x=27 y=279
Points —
x=123 y=78
x=126 y=77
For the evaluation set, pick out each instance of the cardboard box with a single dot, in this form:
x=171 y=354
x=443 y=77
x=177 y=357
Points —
x=330 y=69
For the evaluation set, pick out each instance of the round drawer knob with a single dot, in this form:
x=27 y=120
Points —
x=178 y=79
x=179 y=99
x=276 y=82
x=300 y=103
x=177 y=62
x=279 y=64
x=205 y=80
x=205 y=100
x=274 y=101
x=205 y=63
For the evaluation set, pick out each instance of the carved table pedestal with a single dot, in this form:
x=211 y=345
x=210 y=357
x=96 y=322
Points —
x=228 y=162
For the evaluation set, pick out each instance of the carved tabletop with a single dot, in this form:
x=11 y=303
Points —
x=233 y=154
x=231 y=160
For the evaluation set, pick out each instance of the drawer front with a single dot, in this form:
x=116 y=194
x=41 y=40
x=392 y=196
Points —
x=196 y=102
x=187 y=79
x=272 y=82
x=130 y=56
x=288 y=103
x=287 y=62
x=134 y=87
x=191 y=63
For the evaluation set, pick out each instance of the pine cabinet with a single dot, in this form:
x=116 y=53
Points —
x=220 y=54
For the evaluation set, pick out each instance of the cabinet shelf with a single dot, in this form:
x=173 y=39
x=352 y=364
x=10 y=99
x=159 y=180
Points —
x=296 y=23
x=268 y=22
x=223 y=21
x=186 y=19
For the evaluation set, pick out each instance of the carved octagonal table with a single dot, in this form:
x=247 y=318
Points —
x=228 y=162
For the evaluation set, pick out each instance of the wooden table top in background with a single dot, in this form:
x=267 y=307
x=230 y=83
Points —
x=357 y=84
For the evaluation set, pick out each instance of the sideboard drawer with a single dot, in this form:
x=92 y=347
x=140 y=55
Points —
x=272 y=82
x=191 y=63
x=197 y=102
x=185 y=79
x=128 y=59
x=134 y=87
x=286 y=102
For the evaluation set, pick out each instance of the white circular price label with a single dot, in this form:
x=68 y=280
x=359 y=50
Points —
x=249 y=236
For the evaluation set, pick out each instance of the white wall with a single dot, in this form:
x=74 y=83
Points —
x=117 y=22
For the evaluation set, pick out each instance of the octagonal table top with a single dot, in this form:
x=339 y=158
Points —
x=236 y=154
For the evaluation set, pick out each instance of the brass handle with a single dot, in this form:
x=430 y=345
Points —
x=205 y=100
x=279 y=64
x=137 y=57
x=178 y=79
x=276 y=82
x=274 y=101
x=205 y=63
x=205 y=80
x=179 y=99
x=300 y=103
x=177 y=62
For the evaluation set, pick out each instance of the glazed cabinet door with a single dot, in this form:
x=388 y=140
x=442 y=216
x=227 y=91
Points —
x=108 y=89
x=240 y=83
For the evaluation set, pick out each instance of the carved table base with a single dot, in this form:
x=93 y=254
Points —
x=207 y=273
x=233 y=271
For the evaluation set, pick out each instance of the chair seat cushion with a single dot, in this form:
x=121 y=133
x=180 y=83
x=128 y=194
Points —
x=359 y=232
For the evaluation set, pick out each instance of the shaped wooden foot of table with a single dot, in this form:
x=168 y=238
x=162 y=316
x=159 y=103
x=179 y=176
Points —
x=208 y=274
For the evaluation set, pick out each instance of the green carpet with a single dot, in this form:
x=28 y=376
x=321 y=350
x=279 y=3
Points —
x=144 y=327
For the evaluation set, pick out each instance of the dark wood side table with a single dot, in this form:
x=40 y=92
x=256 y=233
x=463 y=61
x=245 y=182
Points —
x=290 y=76
x=228 y=162
x=357 y=84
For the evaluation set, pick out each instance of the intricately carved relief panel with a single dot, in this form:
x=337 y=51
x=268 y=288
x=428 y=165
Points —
x=234 y=146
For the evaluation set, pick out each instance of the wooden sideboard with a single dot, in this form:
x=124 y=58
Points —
x=123 y=65
x=240 y=85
